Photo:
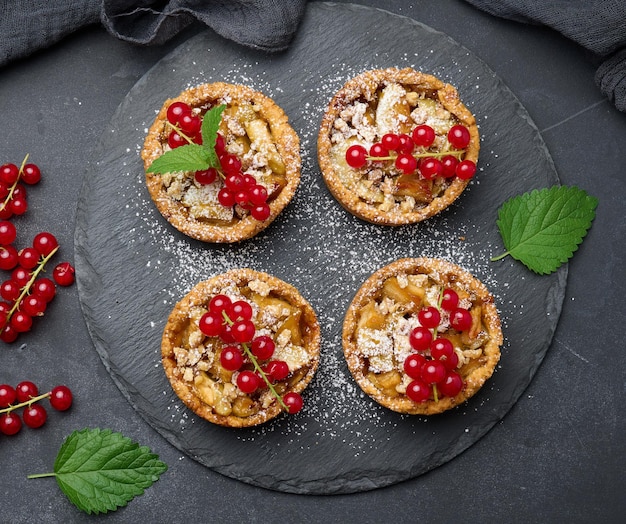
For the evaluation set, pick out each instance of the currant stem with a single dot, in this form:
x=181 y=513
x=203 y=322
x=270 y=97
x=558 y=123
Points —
x=41 y=475
x=500 y=257
x=14 y=185
x=32 y=400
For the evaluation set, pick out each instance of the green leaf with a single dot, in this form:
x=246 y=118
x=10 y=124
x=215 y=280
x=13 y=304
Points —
x=543 y=228
x=100 y=471
x=190 y=157
x=210 y=125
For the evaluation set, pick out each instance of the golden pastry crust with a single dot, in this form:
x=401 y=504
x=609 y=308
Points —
x=355 y=115
x=378 y=368
x=281 y=175
x=191 y=359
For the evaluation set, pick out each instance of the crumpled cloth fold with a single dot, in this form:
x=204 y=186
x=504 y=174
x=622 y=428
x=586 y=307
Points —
x=597 y=25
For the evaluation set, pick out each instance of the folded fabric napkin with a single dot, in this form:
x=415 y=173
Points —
x=597 y=25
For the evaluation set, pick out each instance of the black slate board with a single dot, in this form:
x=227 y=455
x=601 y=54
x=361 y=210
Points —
x=132 y=266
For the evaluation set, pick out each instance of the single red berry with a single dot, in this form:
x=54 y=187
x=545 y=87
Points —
x=248 y=381
x=243 y=331
x=19 y=191
x=4 y=190
x=33 y=305
x=429 y=317
x=227 y=334
x=441 y=348
x=8 y=257
x=261 y=212
x=26 y=390
x=423 y=135
x=448 y=166
x=220 y=303
x=277 y=370
x=433 y=372
x=241 y=198
x=8 y=232
x=211 y=324
x=465 y=169
x=430 y=168
x=459 y=136
x=31 y=174
x=190 y=124
x=356 y=156
x=460 y=319
x=293 y=401
x=7 y=395
x=413 y=365
x=34 y=416
x=406 y=144
x=21 y=321
x=263 y=347
x=231 y=165
x=206 y=177
x=28 y=257
x=8 y=334
x=44 y=288
x=18 y=205
x=249 y=181
x=175 y=140
x=451 y=362
x=406 y=163
x=21 y=276
x=378 y=150
x=176 y=111
x=449 y=299
x=390 y=141
x=420 y=338
x=61 y=398
x=452 y=385
x=417 y=391
x=226 y=197
x=234 y=182
x=231 y=358
x=45 y=243
x=63 y=274
x=220 y=145
x=240 y=310
x=10 y=290
x=257 y=195
x=10 y=423
x=9 y=173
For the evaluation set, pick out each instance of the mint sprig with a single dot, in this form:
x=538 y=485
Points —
x=193 y=157
x=543 y=228
x=100 y=471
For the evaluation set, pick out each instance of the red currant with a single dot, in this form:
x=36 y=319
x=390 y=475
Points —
x=240 y=310
x=21 y=276
x=465 y=169
x=241 y=198
x=257 y=195
x=293 y=401
x=34 y=416
x=45 y=243
x=459 y=136
x=10 y=423
x=8 y=334
x=243 y=331
x=176 y=111
x=226 y=197
x=8 y=257
x=448 y=166
x=451 y=362
x=390 y=141
x=430 y=168
x=9 y=173
x=220 y=303
x=417 y=391
x=261 y=212
x=211 y=324
x=406 y=163
x=413 y=365
x=231 y=165
x=460 y=319
x=33 y=305
x=21 y=322
x=206 y=177
x=433 y=372
x=190 y=124
x=423 y=135
x=231 y=358
x=61 y=398
x=263 y=347
x=451 y=385
x=63 y=274
x=449 y=299
x=248 y=381
x=7 y=395
x=234 y=182
x=8 y=233
x=441 y=348
x=28 y=257
x=26 y=390
x=277 y=370
x=175 y=140
x=10 y=290
x=31 y=174
x=18 y=205
x=406 y=144
x=220 y=144
x=420 y=338
x=378 y=150
x=44 y=288
x=429 y=317
x=356 y=156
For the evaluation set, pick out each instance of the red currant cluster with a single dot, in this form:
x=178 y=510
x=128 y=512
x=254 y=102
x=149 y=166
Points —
x=406 y=160
x=437 y=370
x=26 y=294
x=12 y=192
x=26 y=395
x=244 y=352
x=239 y=188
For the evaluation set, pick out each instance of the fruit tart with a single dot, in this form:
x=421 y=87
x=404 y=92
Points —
x=240 y=347
x=397 y=146
x=235 y=167
x=421 y=336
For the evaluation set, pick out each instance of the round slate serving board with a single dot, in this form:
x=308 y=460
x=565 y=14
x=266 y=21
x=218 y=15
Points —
x=132 y=266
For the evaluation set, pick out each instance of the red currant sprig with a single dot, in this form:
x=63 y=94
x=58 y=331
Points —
x=12 y=193
x=239 y=188
x=401 y=150
x=27 y=396
x=232 y=322
x=435 y=373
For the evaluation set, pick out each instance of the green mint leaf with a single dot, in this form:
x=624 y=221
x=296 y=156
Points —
x=210 y=125
x=543 y=228
x=100 y=471
x=190 y=157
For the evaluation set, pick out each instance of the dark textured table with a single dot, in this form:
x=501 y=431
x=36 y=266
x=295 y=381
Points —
x=558 y=455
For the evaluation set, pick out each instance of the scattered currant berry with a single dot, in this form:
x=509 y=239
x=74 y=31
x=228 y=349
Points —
x=8 y=232
x=261 y=212
x=31 y=174
x=63 y=274
x=293 y=401
x=459 y=136
x=465 y=169
x=61 y=398
x=34 y=416
x=45 y=243
x=10 y=423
